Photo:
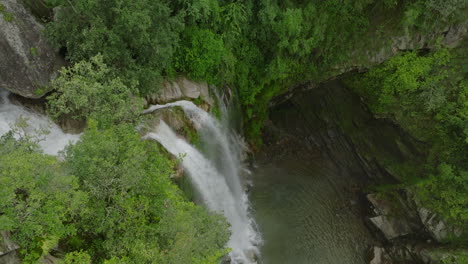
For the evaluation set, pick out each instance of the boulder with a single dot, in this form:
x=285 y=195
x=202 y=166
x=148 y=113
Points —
x=179 y=89
x=437 y=228
x=380 y=206
x=391 y=217
x=391 y=227
x=27 y=61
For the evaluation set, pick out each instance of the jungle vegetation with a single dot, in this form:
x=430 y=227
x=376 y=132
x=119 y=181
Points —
x=110 y=198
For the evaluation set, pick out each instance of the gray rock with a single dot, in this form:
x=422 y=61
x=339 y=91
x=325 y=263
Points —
x=27 y=61
x=379 y=256
x=391 y=227
x=438 y=228
x=374 y=49
x=381 y=206
x=8 y=249
x=391 y=218
x=179 y=89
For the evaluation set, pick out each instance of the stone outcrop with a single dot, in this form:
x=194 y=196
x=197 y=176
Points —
x=9 y=255
x=8 y=249
x=27 y=61
x=375 y=48
x=179 y=89
x=379 y=49
x=392 y=217
x=397 y=217
x=378 y=255
x=391 y=226
x=436 y=226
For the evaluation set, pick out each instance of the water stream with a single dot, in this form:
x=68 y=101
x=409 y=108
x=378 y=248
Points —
x=216 y=174
x=54 y=141
x=301 y=199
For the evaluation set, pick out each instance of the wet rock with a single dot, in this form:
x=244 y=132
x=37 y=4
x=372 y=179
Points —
x=381 y=206
x=179 y=89
x=391 y=227
x=175 y=118
x=438 y=228
x=66 y=122
x=379 y=256
x=27 y=61
x=391 y=219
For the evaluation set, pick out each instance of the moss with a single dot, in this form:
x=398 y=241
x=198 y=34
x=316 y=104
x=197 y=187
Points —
x=41 y=90
x=39 y=9
x=197 y=101
x=192 y=135
x=450 y=255
x=7 y=16
x=34 y=51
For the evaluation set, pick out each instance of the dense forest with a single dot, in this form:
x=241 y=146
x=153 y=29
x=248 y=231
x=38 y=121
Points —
x=110 y=198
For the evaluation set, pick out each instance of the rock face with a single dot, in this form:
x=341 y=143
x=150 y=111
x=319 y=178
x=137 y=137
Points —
x=27 y=61
x=373 y=49
x=8 y=252
x=179 y=89
x=379 y=256
x=391 y=227
x=376 y=52
x=393 y=218
x=437 y=227
x=8 y=249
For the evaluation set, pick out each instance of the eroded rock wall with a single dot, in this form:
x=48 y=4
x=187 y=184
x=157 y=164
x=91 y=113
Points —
x=27 y=61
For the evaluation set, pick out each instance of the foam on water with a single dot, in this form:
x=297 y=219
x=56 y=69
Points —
x=10 y=113
x=216 y=174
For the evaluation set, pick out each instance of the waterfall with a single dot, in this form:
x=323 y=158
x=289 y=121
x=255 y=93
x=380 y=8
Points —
x=54 y=141
x=215 y=174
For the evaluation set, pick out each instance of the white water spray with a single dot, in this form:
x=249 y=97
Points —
x=215 y=174
x=10 y=113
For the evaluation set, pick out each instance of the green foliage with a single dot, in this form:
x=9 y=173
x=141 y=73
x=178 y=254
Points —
x=76 y=257
x=89 y=90
x=445 y=191
x=427 y=96
x=200 y=55
x=110 y=201
x=136 y=38
x=7 y=16
x=37 y=199
x=428 y=14
x=135 y=213
x=34 y=51
x=460 y=257
x=261 y=48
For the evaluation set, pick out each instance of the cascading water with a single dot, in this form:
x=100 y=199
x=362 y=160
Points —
x=215 y=174
x=53 y=142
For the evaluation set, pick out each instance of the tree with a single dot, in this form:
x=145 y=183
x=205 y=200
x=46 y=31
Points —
x=201 y=54
x=38 y=199
x=135 y=213
x=90 y=90
x=136 y=38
